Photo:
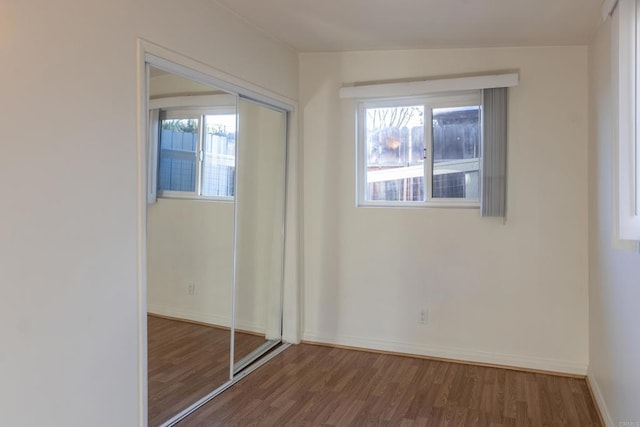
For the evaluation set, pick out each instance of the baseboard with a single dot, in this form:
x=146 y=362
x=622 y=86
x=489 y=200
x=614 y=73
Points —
x=605 y=417
x=456 y=354
x=209 y=319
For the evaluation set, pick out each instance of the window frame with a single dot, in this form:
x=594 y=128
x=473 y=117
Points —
x=199 y=113
x=626 y=50
x=430 y=102
x=635 y=148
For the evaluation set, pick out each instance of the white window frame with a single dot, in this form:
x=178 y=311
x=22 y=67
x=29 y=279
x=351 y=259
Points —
x=446 y=100
x=186 y=107
x=627 y=168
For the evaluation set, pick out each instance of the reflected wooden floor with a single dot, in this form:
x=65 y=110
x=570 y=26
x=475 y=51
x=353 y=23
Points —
x=185 y=362
x=311 y=385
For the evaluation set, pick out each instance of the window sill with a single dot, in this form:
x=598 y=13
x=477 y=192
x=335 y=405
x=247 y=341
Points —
x=191 y=196
x=446 y=204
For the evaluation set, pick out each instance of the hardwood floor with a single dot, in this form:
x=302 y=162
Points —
x=186 y=361
x=310 y=385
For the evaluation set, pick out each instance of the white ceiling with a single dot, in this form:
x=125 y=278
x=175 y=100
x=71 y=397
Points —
x=343 y=25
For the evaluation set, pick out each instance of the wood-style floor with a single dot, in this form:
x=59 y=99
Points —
x=310 y=385
x=186 y=361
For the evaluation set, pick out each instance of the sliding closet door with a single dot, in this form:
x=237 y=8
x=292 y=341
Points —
x=190 y=238
x=260 y=210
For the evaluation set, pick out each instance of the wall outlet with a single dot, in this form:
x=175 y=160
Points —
x=423 y=316
x=191 y=288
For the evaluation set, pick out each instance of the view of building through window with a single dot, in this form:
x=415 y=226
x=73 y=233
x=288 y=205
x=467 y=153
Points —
x=195 y=163
x=396 y=151
x=456 y=152
x=178 y=144
x=219 y=162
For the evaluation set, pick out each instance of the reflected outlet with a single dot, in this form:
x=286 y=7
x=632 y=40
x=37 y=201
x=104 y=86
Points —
x=423 y=315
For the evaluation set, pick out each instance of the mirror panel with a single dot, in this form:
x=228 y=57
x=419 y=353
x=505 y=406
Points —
x=190 y=243
x=260 y=210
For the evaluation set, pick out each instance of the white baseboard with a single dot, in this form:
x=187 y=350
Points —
x=474 y=356
x=600 y=403
x=204 y=318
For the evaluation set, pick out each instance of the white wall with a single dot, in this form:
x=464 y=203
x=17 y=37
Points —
x=68 y=235
x=513 y=293
x=614 y=268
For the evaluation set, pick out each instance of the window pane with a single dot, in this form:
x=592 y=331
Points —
x=219 y=162
x=394 y=158
x=456 y=152
x=178 y=142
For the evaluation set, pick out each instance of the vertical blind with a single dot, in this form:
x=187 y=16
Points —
x=494 y=153
x=152 y=155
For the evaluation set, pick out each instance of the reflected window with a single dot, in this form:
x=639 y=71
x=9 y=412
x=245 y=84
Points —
x=178 y=147
x=197 y=154
x=219 y=155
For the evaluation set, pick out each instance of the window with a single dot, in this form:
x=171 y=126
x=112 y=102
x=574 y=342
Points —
x=626 y=44
x=420 y=151
x=197 y=154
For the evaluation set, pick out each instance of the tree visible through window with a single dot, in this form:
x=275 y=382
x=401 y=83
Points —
x=395 y=153
x=397 y=138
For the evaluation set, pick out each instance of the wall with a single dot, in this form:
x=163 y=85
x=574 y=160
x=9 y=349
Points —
x=513 y=293
x=614 y=266
x=68 y=235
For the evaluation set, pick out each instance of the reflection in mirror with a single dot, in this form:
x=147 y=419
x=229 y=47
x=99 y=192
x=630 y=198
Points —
x=260 y=208
x=190 y=223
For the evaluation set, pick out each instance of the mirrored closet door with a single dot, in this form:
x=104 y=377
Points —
x=215 y=238
x=190 y=232
x=260 y=209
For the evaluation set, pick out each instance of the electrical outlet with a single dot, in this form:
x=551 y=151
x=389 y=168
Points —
x=191 y=288
x=423 y=315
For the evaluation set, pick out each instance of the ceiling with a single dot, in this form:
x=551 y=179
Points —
x=344 y=25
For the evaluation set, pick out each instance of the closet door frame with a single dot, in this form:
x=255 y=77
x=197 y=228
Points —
x=150 y=54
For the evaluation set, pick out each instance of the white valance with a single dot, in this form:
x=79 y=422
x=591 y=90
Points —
x=430 y=85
